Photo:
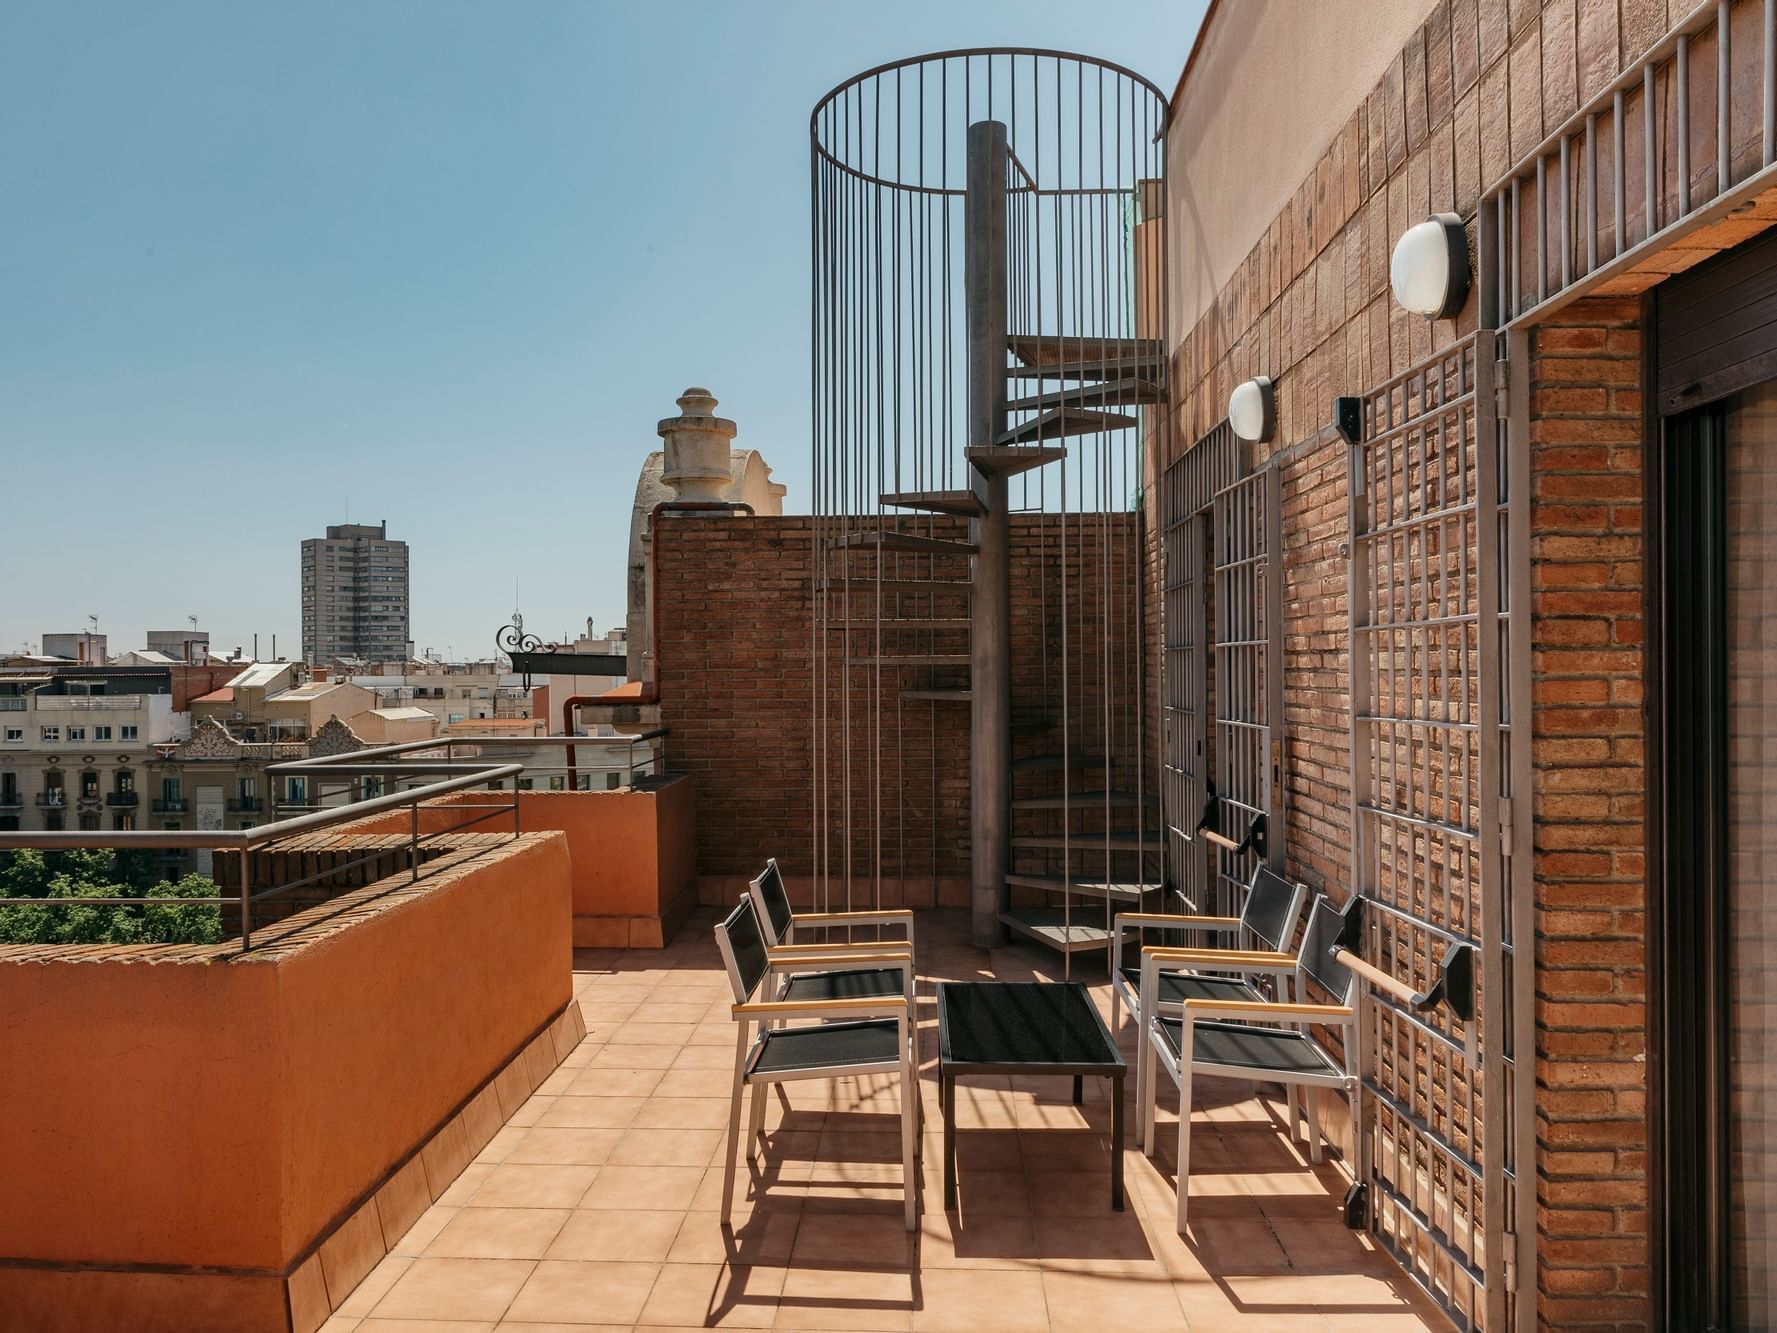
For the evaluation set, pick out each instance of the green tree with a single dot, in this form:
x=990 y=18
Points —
x=96 y=874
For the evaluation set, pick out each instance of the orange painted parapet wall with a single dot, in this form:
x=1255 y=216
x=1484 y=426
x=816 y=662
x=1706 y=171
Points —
x=633 y=851
x=281 y=1115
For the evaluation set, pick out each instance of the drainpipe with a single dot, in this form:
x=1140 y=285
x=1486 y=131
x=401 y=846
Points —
x=650 y=689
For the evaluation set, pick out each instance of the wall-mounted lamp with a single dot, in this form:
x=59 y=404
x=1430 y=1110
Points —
x=1429 y=270
x=1348 y=418
x=1252 y=409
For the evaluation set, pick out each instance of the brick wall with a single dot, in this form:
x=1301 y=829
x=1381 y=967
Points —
x=1589 y=751
x=736 y=650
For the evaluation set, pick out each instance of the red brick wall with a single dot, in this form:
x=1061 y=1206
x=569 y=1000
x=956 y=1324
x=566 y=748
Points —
x=1589 y=751
x=735 y=654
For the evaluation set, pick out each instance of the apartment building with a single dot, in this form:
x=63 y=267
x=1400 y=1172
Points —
x=355 y=595
x=74 y=744
x=451 y=692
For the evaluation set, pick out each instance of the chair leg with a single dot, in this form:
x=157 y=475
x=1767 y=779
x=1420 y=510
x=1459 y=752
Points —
x=756 y=1121
x=1314 y=1153
x=1184 y=1135
x=909 y=1170
x=740 y=1066
x=1147 y=1077
x=1295 y=1112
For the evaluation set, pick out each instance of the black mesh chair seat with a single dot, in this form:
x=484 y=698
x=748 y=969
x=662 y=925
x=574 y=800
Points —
x=831 y=1046
x=867 y=983
x=1177 y=987
x=1277 y=1050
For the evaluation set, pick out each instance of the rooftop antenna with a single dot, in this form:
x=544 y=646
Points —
x=94 y=622
x=193 y=620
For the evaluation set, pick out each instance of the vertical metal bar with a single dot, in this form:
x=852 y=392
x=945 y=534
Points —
x=990 y=631
x=1619 y=175
x=1724 y=82
x=414 y=841
x=1565 y=197
x=246 y=899
x=1542 y=229
x=1650 y=158
x=1277 y=826
x=1591 y=193
x=1681 y=65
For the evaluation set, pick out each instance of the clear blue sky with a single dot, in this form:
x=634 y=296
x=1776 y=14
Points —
x=446 y=263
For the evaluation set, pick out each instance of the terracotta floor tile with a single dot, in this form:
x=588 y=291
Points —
x=498 y=1233
x=643 y=1030
x=762 y=1237
x=1087 y=1300
x=667 y=1147
x=374 y=1287
x=420 y=1234
x=714 y=1296
x=634 y=1056
x=840 y=1298
x=423 y=1326
x=706 y=1057
x=1072 y=1193
x=575 y=1147
x=684 y=1113
x=865 y=1240
x=592 y=1112
x=695 y=1083
x=977 y=1241
x=685 y=1011
x=608 y=1292
x=595 y=1082
x=1115 y=1243
x=522 y=1185
x=617 y=1235
x=968 y=1302
x=464 y=1187
x=454 y=1289
x=664 y=1188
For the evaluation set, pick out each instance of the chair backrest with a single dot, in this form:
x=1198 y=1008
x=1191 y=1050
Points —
x=774 y=902
x=1316 y=958
x=743 y=949
x=1273 y=906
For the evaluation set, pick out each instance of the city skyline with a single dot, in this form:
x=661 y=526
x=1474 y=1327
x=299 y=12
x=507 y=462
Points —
x=270 y=270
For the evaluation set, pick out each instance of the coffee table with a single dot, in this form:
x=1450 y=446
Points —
x=1025 y=1027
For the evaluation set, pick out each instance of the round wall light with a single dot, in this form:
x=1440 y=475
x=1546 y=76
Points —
x=1252 y=409
x=1429 y=270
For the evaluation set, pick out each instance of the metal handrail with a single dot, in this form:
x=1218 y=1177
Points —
x=438 y=778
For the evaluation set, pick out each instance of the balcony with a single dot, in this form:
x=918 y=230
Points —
x=11 y=800
x=85 y=703
x=56 y=798
x=124 y=800
x=241 y=804
x=175 y=805
x=12 y=704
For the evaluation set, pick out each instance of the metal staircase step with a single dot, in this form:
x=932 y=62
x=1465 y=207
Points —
x=1118 y=892
x=1099 y=394
x=1082 y=800
x=1115 y=368
x=1048 y=926
x=1091 y=842
x=902 y=541
x=1060 y=422
x=960 y=694
x=964 y=503
x=1008 y=459
x=1047 y=349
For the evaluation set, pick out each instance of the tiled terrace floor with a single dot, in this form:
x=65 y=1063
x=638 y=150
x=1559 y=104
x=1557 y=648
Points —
x=596 y=1206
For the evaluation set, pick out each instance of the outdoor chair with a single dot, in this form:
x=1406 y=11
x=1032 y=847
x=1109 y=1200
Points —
x=1264 y=1040
x=837 y=1037
x=1267 y=922
x=780 y=921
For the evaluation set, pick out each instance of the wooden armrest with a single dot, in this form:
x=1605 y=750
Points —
x=888 y=958
x=1265 y=1008
x=840 y=918
x=883 y=1006
x=840 y=946
x=1179 y=922
x=1228 y=960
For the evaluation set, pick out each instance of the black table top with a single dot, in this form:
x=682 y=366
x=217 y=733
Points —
x=1023 y=1026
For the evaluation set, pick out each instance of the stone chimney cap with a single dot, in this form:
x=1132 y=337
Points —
x=697 y=407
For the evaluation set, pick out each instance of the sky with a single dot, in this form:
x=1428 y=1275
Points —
x=266 y=267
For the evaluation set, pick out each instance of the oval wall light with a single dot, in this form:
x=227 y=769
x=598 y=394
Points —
x=1429 y=270
x=1252 y=409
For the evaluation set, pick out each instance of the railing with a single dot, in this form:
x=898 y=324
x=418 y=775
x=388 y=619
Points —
x=12 y=704
x=169 y=805
x=54 y=798
x=78 y=703
x=122 y=798
x=432 y=767
x=241 y=803
x=1620 y=179
x=11 y=800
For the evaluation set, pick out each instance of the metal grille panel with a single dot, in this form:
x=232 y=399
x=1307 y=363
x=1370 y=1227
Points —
x=1425 y=784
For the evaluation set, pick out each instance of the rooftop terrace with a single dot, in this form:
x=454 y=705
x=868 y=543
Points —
x=597 y=1204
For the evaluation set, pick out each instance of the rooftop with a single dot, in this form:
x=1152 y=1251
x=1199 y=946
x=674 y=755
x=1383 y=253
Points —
x=598 y=1200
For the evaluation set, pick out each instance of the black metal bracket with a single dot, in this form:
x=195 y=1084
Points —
x=530 y=655
x=1210 y=826
x=1455 y=984
x=1348 y=418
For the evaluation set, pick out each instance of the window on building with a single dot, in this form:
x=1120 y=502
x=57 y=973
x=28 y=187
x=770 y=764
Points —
x=126 y=780
x=76 y=734
x=49 y=735
x=15 y=733
x=127 y=732
x=52 y=823
x=101 y=733
x=169 y=790
x=9 y=823
x=89 y=785
x=89 y=823
x=296 y=791
x=123 y=822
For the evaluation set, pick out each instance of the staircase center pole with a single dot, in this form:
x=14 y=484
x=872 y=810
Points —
x=990 y=630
